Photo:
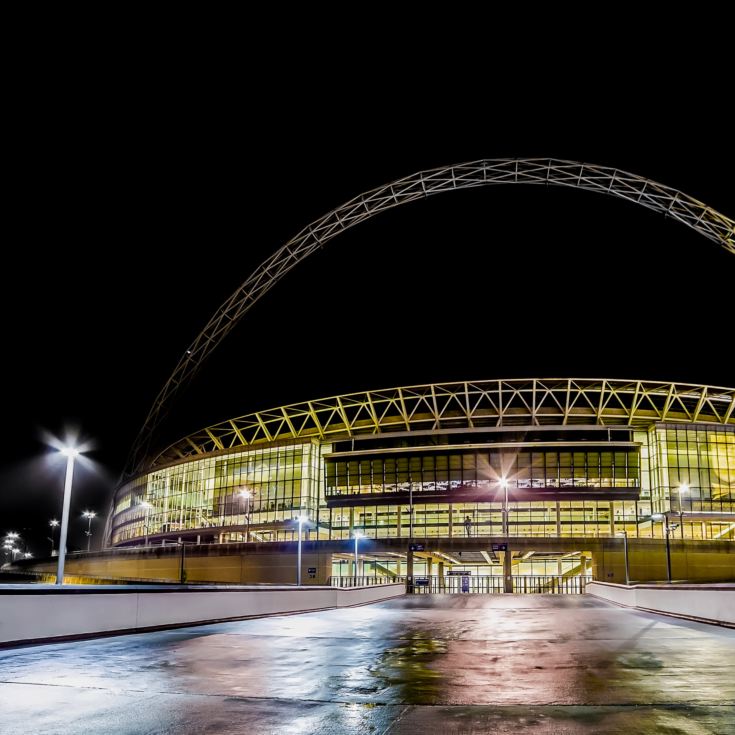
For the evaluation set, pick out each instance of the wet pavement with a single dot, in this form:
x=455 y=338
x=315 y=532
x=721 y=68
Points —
x=425 y=664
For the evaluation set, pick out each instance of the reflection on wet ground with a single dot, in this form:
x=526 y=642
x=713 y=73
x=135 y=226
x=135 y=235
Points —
x=449 y=664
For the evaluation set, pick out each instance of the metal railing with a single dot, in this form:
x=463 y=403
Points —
x=550 y=584
x=479 y=584
x=363 y=581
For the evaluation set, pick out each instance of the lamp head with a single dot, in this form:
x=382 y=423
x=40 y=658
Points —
x=684 y=487
x=70 y=452
x=246 y=493
x=358 y=534
x=657 y=516
x=53 y=523
x=504 y=483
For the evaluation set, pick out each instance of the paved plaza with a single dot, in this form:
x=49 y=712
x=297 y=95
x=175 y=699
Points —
x=446 y=664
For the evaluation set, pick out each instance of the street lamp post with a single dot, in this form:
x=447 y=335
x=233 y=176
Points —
x=624 y=534
x=302 y=520
x=89 y=515
x=71 y=454
x=247 y=495
x=54 y=525
x=358 y=536
x=683 y=488
x=663 y=517
x=504 y=485
x=145 y=504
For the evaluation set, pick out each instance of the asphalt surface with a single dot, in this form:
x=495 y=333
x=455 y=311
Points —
x=424 y=664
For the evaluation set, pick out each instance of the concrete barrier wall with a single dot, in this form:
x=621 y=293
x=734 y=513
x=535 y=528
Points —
x=713 y=603
x=35 y=613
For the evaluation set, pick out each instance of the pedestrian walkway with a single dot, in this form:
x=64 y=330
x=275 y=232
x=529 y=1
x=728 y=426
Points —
x=536 y=664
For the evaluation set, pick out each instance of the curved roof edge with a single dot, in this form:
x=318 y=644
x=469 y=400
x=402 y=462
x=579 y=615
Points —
x=471 y=404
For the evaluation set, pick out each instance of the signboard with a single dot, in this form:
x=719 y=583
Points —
x=421 y=581
x=458 y=574
x=415 y=547
x=312 y=570
x=466 y=584
x=500 y=547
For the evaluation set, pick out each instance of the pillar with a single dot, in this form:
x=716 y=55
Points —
x=409 y=571
x=440 y=572
x=507 y=571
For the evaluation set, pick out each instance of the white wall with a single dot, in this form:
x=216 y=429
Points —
x=26 y=615
x=713 y=603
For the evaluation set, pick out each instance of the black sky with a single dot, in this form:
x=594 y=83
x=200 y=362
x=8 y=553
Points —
x=137 y=212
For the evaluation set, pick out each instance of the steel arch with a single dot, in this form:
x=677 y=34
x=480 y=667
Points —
x=549 y=171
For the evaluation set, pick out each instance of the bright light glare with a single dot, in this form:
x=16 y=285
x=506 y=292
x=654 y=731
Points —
x=53 y=523
x=303 y=519
x=89 y=514
x=246 y=493
x=358 y=534
x=503 y=483
x=657 y=516
x=70 y=451
x=684 y=487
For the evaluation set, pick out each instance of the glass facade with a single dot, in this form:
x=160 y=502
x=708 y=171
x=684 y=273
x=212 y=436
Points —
x=428 y=489
x=257 y=491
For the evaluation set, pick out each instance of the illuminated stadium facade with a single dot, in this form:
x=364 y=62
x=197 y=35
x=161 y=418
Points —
x=578 y=458
x=542 y=468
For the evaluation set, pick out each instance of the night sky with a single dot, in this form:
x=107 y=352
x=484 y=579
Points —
x=132 y=222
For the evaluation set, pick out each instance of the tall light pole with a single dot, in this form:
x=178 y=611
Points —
x=624 y=534
x=54 y=525
x=358 y=536
x=89 y=515
x=302 y=520
x=145 y=504
x=664 y=518
x=247 y=495
x=71 y=454
x=683 y=488
x=504 y=485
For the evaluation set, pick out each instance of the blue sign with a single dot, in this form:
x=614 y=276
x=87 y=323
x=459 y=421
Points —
x=415 y=547
x=500 y=547
x=466 y=583
x=421 y=581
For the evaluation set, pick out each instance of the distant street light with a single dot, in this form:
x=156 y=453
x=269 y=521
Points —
x=247 y=495
x=145 y=504
x=624 y=534
x=301 y=520
x=504 y=485
x=54 y=525
x=71 y=454
x=89 y=515
x=358 y=536
x=663 y=517
x=683 y=488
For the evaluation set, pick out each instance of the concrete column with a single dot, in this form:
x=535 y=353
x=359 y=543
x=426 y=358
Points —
x=507 y=571
x=399 y=563
x=398 y=521
x=451 y=519
x=559 y=570
x=429 y=566
x=352 y=520
x=440 y=572
x=583 y=564
x=409 y=572
x=558 y=519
